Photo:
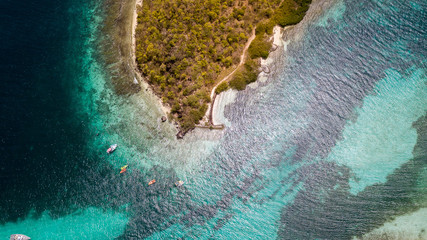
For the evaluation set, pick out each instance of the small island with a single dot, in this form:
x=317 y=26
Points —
x=191 y=50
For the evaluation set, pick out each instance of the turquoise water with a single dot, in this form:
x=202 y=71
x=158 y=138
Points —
x=90 y=223
x=49 y=51
x=332 y=15
x=322 y=149
x=382 y=137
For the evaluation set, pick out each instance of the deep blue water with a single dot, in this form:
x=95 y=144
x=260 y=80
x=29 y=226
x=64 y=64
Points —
x=35 y=129
x=352 y=90
x=42 y=152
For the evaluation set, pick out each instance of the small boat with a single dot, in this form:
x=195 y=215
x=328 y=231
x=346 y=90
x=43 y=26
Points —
x=124 y=168
x=152 y=181
x=112 y=148
x=179 y=183
x=19 y=237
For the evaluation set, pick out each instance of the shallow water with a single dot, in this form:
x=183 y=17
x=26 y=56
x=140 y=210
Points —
x=382 y=137
x=90 y=223
x=325 y=148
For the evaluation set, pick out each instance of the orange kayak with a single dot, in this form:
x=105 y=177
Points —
x=152 y=181
x=124 y=168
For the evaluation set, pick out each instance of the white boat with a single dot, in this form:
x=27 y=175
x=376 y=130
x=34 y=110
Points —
x=19 y=237
x=112 y=148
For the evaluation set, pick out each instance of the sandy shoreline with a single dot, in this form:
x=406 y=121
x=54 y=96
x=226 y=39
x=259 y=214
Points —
x=138 y=76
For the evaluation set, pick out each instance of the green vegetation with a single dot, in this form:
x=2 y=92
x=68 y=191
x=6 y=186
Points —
x=221 y=87
x=291 y=12
x=245 y=75
x=182 y=46
x=259 y=48
x=288 y=13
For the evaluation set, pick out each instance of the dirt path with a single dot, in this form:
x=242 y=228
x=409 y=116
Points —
x=242 y=60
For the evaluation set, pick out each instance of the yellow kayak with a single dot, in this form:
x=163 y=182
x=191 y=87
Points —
x=124 y=168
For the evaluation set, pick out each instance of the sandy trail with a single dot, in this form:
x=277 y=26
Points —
x=242 y=60
x=209 y=112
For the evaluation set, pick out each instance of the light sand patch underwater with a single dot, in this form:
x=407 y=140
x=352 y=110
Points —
x=382 y=138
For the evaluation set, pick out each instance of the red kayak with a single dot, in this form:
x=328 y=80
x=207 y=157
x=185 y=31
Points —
x=152 y=181
x=124 y=169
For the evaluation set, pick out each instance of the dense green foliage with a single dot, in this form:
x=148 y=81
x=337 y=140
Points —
x=259 y=48
x=182 y=46
x=288 y=13
x=221 y=87
x=245 y=75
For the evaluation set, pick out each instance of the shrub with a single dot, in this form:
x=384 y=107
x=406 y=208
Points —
x=245 y=75
x=203 y=95
x=238 y=81
x=176 y=108
x=197 y=114
x=192 y=101
x=186 y=91
x=228 y=61
x=221 y=87
x=187 y=123
x=259 y=48
x=238 y=13
x=251 y=76
x=265 y=27
x=171 y=95
x=287 y=14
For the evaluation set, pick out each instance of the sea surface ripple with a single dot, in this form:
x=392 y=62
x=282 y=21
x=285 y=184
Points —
x=330 y=145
